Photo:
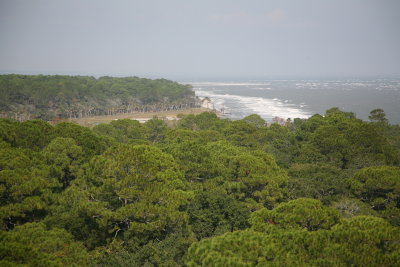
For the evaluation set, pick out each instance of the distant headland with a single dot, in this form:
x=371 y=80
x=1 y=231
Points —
x=85 y=98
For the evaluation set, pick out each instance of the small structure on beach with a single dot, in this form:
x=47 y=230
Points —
x=206 y=103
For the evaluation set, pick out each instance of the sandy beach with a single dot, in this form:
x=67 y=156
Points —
x=142 y=117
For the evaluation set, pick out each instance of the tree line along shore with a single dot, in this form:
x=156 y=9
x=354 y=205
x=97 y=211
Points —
x=56 y=97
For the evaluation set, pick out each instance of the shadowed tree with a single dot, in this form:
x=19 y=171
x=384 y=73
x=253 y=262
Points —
x=65 y=158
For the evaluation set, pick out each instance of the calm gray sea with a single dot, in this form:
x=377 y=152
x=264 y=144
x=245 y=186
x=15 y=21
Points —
x=302 y=98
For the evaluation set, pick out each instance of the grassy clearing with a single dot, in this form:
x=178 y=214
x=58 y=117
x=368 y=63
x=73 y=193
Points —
x=167 y=115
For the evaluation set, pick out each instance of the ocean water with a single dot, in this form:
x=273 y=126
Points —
x=302 y=98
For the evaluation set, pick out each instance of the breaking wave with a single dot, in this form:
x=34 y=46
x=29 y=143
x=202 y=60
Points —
x=237 y=106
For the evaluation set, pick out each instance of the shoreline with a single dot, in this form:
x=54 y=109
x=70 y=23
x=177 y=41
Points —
x=170 y=115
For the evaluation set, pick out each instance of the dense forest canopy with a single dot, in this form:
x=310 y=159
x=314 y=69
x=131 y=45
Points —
x=46 y=97
x=323 y=191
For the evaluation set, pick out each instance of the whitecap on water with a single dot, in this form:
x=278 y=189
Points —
x=228 y=83
x=238 y=106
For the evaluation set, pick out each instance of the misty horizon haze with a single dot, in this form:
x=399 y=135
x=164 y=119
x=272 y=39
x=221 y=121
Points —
x=187 y=40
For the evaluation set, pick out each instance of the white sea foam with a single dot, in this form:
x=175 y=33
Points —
x=262 y=88
x=265 y=107
x=268 y=98
x=228 y=83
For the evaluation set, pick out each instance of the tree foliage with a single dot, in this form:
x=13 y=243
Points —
x=206 y=191
x=379 y=187
x=33 y=245
x=46 y=97
x=361 y=241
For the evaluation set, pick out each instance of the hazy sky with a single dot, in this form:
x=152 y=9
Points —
x=207 y=38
